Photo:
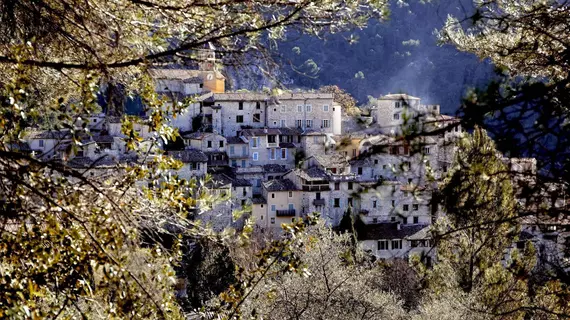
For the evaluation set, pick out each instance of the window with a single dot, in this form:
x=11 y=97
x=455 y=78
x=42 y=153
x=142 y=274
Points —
x=374 y=220
x=337 y=202
x=239 y=119
x=255 y=156
x=404 y=220
x=308 y=123
x=406 y=207
x=337 y=185
x=384 y=166
x=382 y=244
x=353 y=153
x=318 y=195
x=374 y=203
x=273 y=197
x=257 y=105
x=283 y=109
x=221 y=143
x=41 y=143
x=457 y=129
x=272 y=154
x=393 y=203
x=290 y=194
x=396 y=244
x=398 y=104
x=308 y=108
x=396 y=116
x=291 y=206
x=272 y=220
x=234 y=163
x=254 y=142
x=393 y=219
x=209 y=144
x=416 y=220
x=350 y=186
x=272 y=207
x=240 y=105
x=271 y=138
x=283 y=123
x=299 y=123
x=415 y=207
x=299 y=108
x=261 y=217
x=275 y=123
x=243 y=150
x=283 y=154
x=232 y=150
x=256 y=117
x=426 y=150
x=243 y=163
x=325 y=123
x=360 y=170
x=326 y=108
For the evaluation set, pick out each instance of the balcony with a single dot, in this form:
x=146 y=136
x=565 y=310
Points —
x=343 y=177
x=319 y=202
x=317 y=188
x=286 y=213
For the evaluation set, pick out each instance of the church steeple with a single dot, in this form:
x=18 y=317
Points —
x=207 y=58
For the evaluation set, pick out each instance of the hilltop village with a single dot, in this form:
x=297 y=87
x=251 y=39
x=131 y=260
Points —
x=287 y=155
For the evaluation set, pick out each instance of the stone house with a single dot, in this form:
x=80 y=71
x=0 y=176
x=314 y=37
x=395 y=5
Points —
x=238 y=152
x=393 y=111
x=283 y=204
x=229 y=113
x=238 y=111
x=259 y=173
x=212 y=144
x=315 y=143
x=265 y=147
x=47 y=143
x=391 y=201
x=392 y=240
x=306 y=111
x=194 y=163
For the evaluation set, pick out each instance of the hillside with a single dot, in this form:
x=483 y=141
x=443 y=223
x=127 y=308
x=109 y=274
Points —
x=400 y=54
